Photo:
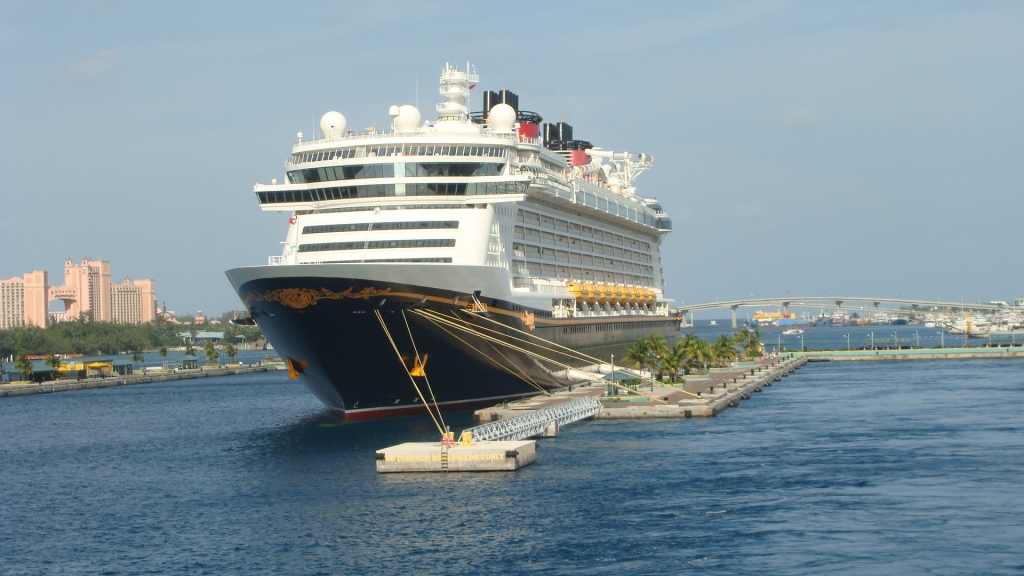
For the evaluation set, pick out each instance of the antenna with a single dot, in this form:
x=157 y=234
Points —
x=417 y=89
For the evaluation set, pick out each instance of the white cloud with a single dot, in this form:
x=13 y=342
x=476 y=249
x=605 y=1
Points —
x=800 y=114
x=91 y=68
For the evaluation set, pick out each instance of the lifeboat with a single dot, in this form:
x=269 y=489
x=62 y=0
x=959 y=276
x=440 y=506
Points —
x=589 y=293
x=575 y=289
x=603 y=294
x=631 y=295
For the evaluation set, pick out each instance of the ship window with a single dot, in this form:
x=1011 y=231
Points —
x=518 y=233
x=547 y=238
x=591 y=199
x=327 y=228
x=576 y=273
x=378 y=244
x=561 y=225
x=534 y=268
x=519 y=216
x=547 y=222
x=561 y=256
x=602 y=204
x=574 y=228
x=548 y=270
x=547 y=254
x=579 y=197
x=533 y=218
x=588 y=246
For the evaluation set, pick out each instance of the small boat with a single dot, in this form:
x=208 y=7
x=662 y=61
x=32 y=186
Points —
x=793 y=331
x=714 y=323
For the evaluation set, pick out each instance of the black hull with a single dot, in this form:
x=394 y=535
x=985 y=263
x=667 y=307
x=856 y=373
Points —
x=328 y=331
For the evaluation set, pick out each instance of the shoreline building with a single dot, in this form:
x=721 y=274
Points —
x=86 y=288
x=23 y=301
x=132 y=302
x=26 y=301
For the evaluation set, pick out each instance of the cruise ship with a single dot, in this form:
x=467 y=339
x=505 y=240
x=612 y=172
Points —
x=456 y=262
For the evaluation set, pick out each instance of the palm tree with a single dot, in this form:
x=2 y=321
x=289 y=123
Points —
x=163 y=354
x=753 y=344
x=670 y=363
x=698 y=351
x=741 y=338
x=211 y=352
x=24 y=365
x=230 y=350
x=638 y=354
x=723 y=350
x=137 y=357
x=53 y=361
x=189 y=351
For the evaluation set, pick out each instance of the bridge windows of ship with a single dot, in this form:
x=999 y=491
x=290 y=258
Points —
x=376 y=226
x=414 y=260
x=400 y=150
x=387 y=190
x=388 y=170
x=378 y=244
x=463 y=169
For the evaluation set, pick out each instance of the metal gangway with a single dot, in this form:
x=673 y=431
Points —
x=534 y=423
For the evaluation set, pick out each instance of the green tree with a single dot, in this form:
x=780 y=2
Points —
x=189 y=351
x=53 y=361
x=638 y=354
x=24 y=366
x=669 y=363
x=162 y=352
x=137 y=357
x=752 y=346
x=724 y=350
x=210 y=351
x=231 y=351
x=697 y=351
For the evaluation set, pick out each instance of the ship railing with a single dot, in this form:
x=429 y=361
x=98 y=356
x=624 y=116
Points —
x=275 y=260
x=396 y=134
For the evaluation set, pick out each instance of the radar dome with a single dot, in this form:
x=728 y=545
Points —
x=408 y=119
x=333 y=124
x=502 y=118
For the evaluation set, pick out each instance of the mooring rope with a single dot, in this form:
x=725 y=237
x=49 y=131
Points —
x=411 y=379
x=423 y=368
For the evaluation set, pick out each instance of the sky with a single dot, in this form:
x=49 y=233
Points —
x=801 y=148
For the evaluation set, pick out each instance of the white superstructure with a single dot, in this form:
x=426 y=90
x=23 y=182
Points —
x=565 y=225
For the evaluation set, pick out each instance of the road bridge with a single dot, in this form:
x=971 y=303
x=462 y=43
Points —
x=785 y=302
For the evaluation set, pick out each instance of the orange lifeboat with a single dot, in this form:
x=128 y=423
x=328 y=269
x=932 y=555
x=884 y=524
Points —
x=619 y=294
x=603 y=294
x=588 y=293
x=575 y=289
x=631 y=295
x=652 y=297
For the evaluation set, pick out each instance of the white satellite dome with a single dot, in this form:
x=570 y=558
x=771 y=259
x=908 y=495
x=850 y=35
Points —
x=408 y=119
x=333 y=124
x=502 y=118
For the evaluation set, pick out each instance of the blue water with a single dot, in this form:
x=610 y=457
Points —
x=881 y=468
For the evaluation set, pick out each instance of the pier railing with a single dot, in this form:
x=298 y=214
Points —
x=534 y=423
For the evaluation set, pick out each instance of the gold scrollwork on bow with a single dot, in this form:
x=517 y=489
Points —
x=528 y=320
x=301 y=297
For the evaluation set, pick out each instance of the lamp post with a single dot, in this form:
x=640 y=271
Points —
x=942 y=339
x=918 y=336
x=801 y=342
x=847 y=341
x=895 y=341
x=872 y=340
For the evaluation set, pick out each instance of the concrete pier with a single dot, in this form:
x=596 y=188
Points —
x=27 y=389
x=717 y=391
x=476 y=457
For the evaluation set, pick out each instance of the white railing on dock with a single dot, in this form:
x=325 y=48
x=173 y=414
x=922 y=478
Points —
x=533 y=423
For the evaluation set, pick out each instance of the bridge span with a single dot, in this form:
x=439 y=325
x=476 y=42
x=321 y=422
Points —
x=818 y=301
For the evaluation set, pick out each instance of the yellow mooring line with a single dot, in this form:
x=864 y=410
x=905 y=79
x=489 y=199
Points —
x=423 y=369
x=404 y=367
x=476 y=331
x=576 y=353
x=499 y=364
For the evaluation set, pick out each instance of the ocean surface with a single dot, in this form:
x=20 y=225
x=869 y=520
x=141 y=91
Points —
x=842 y=468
